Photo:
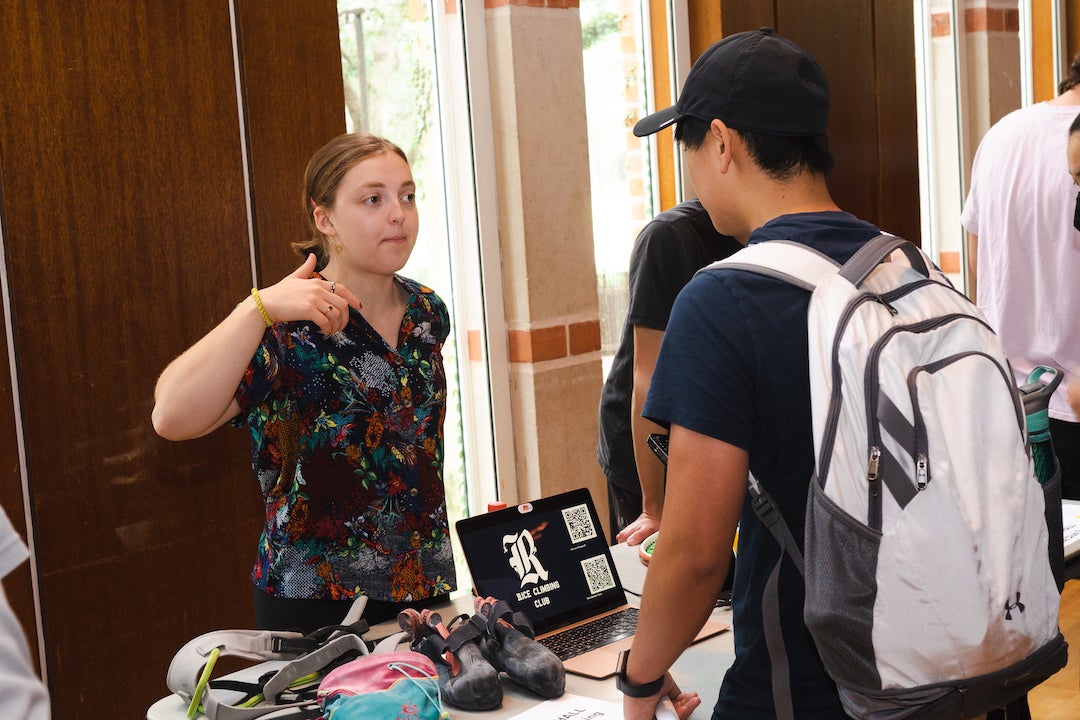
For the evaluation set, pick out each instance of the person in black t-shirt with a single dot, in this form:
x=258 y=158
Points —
x=666 y=254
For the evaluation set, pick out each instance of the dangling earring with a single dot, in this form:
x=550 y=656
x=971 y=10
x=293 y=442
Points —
x=338 y=248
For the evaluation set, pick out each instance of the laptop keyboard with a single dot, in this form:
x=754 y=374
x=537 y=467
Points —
x=593 y=634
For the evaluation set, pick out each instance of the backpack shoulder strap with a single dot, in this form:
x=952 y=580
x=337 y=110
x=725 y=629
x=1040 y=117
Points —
x=876 y=251
x=785 y=260
x=765 y=508
x=805 y=267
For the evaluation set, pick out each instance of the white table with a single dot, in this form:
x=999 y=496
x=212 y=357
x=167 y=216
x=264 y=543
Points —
x=699 y=669
x=1070 y=517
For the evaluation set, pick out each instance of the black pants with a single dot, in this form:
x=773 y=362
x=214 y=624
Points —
x=1066 y=437
x=624 y=507
x=304 y=616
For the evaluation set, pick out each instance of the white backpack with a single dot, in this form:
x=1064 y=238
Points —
x=929 y=591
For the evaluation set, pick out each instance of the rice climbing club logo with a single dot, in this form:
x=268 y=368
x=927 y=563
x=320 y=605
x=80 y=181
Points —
x=520 y=550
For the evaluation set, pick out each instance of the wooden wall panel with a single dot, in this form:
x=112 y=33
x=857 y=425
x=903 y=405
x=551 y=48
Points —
x=307 y=33
x=126 y=239
x=1072 y=32
x=123 y=220
x=736 y=16
x=897 y=124
x=868 y=54
x=840 y=36
x=705 y=28
x=1042 y=52
x=18 y=586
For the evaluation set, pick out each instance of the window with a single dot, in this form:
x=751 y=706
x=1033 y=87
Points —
x=619 y=163
x=974 y=66
x=405 y=75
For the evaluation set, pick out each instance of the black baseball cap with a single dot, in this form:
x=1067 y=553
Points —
x=755 y=81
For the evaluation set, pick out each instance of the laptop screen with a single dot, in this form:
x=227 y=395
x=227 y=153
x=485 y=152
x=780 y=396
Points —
x=548 y=559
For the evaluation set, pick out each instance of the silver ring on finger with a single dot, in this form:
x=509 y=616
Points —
x=333 y=286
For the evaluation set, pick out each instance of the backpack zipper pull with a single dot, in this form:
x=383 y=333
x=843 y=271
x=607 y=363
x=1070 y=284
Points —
x=920 y=471
x=873 y=513
x=872 y=470
x=890 y=308
x=892 y=311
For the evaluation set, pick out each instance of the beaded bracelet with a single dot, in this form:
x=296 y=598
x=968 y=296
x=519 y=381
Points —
x=262 y=310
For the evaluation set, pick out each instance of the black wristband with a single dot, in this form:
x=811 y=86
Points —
x=630 y=689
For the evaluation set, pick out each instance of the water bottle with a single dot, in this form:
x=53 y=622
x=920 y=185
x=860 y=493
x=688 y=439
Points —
x=1035 y=394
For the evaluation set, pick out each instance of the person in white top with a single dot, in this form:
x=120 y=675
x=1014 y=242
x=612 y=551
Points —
x=22 y=694
x=1024 y=252
x=1073 y=153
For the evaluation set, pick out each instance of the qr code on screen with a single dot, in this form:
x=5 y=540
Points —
x=579 y=523
x=597 y=574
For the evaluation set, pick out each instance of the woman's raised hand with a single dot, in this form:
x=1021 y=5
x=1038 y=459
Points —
x=299 y=296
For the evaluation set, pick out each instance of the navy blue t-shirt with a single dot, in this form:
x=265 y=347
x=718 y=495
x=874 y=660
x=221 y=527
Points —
x=734 y=366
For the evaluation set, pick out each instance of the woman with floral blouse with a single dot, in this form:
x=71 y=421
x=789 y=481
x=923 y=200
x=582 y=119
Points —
x=337 y=372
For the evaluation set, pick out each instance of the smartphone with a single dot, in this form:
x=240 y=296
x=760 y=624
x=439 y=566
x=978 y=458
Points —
x=658 y=443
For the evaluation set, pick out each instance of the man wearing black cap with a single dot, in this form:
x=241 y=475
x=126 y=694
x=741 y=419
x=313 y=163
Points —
x=732 y=380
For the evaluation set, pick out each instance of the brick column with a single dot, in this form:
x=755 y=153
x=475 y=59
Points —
x=545 y=228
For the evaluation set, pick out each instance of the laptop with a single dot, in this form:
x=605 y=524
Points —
x=550 y=560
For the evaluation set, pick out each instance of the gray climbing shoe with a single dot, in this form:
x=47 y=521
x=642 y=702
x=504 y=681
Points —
x=509 y=645
x=466 y=679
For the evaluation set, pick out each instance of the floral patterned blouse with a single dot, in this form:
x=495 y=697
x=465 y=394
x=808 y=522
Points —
x=347 y=446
